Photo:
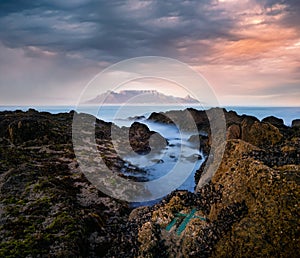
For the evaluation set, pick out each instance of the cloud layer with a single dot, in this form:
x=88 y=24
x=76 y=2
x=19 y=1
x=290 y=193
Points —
x=247 y=49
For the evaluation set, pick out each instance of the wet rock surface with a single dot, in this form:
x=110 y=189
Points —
x=140 y=138
x=48 y=208
x=248 y=128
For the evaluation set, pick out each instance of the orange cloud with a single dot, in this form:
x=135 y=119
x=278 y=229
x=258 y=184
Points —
x=255 y=43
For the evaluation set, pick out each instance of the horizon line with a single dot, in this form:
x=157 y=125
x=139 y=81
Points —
x=141 y=104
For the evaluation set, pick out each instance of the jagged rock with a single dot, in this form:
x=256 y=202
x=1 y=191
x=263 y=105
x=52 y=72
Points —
x=186 y=120
x=232 y=117
x=270 y=195
x=278 y=122
x=142 y=140
x=247 y=128
x=260 y=134
x=49 y=208
x=46 y=203
x=160 y=118
x=233 y=132
x=296 y=123
x=149 y=238
x=21 y=127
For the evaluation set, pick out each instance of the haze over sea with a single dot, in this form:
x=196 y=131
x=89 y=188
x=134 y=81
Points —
x=108 y=112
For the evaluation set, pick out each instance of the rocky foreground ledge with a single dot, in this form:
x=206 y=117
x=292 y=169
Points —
x=48 y=208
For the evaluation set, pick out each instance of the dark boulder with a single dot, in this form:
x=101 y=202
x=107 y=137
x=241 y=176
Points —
x=259 y=134
x=296 y=123
x=232 y=117
x=278 y=122
x=160 y=118
x=142 y=140
x=186 y=120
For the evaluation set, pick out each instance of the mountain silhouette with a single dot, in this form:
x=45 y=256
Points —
x=139 y=97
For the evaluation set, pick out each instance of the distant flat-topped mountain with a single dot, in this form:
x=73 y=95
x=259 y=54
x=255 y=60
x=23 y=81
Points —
x=139 y=97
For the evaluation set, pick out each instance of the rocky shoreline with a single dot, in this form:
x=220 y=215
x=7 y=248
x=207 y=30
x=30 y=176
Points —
x=48 y=208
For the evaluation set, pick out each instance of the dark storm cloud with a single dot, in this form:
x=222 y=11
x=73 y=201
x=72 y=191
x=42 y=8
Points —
x=114 y=30
x=291 y=10
x=60 y=45
x=111 y=30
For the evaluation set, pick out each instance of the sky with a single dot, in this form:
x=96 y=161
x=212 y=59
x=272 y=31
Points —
x=248 y=50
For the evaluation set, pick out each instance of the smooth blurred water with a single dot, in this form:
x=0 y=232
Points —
x=179 y=149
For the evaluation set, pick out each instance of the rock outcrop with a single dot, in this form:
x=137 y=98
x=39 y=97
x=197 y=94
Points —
x=48 y=208
x=248 y=128
x=296 y=123
x=36 y=127
x=248 y=209
x=142 y=140
x=278 y=122
x=270 y=194
x=260 y=134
